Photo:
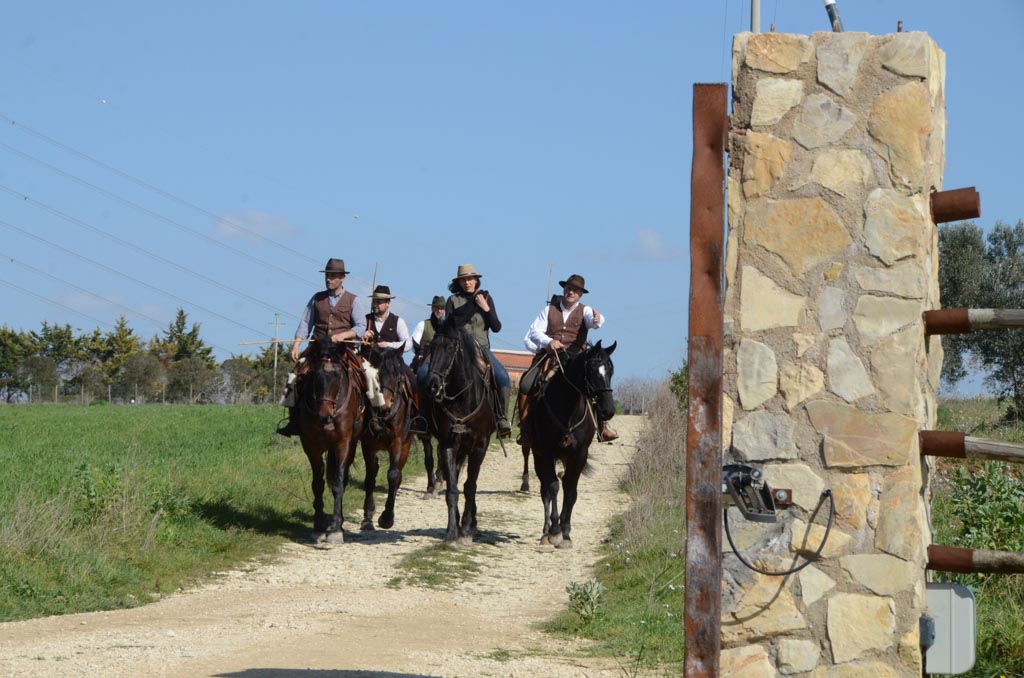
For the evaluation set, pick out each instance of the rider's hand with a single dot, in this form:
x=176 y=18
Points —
x=367 y=336
x=481 y=301
x=597 y=317
x=555 y=345
x=295 y=353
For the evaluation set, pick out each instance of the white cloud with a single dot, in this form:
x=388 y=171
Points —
x=254 y=225
x=651 y=245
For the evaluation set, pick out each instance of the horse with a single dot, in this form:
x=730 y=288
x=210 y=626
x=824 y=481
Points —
x=426 y=439
x=462 y=419
x=387 y=430
x=562 y=426
x=331 y=404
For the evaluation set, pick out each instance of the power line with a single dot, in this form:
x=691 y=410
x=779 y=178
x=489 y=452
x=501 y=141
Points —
x=125 y=275
x=151 y=213
x=142 y=250
x=155 y=189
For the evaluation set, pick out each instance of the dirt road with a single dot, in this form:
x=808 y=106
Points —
x=331 y=611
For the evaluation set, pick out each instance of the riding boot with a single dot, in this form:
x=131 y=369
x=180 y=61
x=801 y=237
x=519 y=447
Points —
x=501 y=404
x=291 y=427
x=524 y=410
x=608 y=434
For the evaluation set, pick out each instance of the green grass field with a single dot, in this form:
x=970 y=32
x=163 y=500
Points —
x=109 y=507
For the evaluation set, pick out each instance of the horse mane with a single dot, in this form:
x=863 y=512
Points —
x=390 y=364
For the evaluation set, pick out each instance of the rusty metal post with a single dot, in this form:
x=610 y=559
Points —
x=955 y=205
x=968 y=561
x=964 y=320
x=704 y=424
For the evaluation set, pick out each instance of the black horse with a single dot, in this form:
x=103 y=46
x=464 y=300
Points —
x=330 y=415
x=387 y=429
x=462 y=420
x=426 y=439
x=562 y=426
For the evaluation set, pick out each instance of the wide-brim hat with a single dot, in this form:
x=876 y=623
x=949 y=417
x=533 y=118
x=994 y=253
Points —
x=382 y=292
x=437 y=302
x=576 y=281
x=335 y=266
x=466 y=271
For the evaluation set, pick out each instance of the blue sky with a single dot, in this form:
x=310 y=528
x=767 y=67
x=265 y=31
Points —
x=406 y=136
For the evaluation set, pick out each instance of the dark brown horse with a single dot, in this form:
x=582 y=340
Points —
x=387 y=429
x=331 y=405
x=426 y=439
x=462 y=420
x=562 y=426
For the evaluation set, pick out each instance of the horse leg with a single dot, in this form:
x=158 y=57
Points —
x=451 y=495
x=544 y=466
x=370 y=482
x=428 y=462
x=570 y=482
x=468 y=528
x=525 y=487
x=397 y=458
x=337 y=471
x=316 y=463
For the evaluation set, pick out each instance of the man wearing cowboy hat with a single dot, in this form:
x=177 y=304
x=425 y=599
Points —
x=333 y=312
x=425 y=330
x=384 y=329
x=562 y=325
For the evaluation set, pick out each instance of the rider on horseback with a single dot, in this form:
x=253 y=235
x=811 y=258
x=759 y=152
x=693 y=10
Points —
x=333 y=312
x=425 y=330
x=472 y=310
x=558 y=332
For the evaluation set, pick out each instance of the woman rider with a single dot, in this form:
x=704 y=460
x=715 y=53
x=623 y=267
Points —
x=472 y=310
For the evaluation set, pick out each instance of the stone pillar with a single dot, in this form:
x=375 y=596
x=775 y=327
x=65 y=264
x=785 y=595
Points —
x=837 y=141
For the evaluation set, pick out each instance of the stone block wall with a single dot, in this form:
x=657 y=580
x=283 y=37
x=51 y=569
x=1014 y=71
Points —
x=837 y=140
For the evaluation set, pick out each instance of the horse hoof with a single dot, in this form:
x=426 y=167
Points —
x=556 y=539
x=545 y=540
x=525 y=487
x=386 y=521
x=366 y=526
x=318 y=537
x=336 y=537
x=564 y=544
x=464 y=540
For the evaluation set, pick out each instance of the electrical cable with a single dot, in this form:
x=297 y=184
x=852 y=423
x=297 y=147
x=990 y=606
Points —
x=142 y=250
x=814 y=557
x=128 y=277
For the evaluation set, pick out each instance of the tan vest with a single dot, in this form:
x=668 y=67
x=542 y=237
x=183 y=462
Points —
x=477 y=326
x=329 y=321
x=571 y=332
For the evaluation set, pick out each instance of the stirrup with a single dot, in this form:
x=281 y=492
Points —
x=418 y=426
x=288 y=428
x=504 y=428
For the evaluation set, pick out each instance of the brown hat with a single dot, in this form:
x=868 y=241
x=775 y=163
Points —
x=466 y=271
x=335 y=266
x=576 y=281
x=437 y=302
x=382 y=292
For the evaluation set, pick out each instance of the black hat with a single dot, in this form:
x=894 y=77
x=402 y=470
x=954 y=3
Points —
x=576 y=281
x=382 y=292
x=335 y=266
x=437 y=302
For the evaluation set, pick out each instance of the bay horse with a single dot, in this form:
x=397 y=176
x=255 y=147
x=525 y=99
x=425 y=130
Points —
x=426 y=439
x=330 y=409
x=461 y=417
x=387 y=430
x=562 y=426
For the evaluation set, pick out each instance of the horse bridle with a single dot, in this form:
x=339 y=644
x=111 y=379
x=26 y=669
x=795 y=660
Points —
x=458 y=423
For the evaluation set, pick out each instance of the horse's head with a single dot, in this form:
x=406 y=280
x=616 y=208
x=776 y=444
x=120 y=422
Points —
x=392 y=374
x=328 y=373
x=445 y=352
x=597 y=378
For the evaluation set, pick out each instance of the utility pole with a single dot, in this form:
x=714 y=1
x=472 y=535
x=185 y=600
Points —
x=273 y=393
x=755 y=16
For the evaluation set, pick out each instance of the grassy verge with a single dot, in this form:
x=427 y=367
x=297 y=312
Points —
x=981 y=505
x=636 y=614
x=110 y=507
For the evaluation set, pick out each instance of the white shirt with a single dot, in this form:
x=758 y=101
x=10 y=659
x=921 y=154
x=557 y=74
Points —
x=404 y=340
x=537 y=338
x=417 y=332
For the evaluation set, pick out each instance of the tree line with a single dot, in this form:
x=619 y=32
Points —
x=60 y=364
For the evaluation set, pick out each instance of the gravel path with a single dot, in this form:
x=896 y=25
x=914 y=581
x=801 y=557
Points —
x=329 y=611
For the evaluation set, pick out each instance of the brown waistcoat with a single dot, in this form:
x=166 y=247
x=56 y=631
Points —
x=388 y=331
x=328 y=321
x=573 y=332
